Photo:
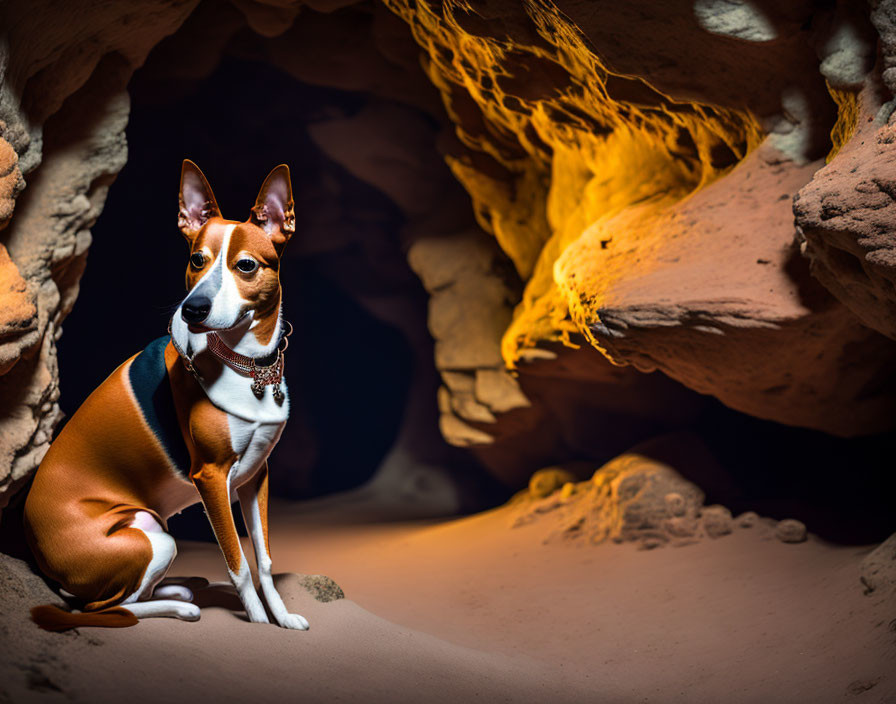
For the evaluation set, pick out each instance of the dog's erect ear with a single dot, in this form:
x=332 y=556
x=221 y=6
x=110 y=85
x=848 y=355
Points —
x=274 y=209
x=197 y=202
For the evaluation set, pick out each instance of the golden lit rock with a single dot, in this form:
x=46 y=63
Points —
x=546 y=481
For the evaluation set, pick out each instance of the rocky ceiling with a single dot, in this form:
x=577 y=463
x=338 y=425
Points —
x=660 y=202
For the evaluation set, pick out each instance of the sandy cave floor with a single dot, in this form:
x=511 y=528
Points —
x=473 y=610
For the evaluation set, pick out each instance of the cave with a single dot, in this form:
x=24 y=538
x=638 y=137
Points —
x=592 y=391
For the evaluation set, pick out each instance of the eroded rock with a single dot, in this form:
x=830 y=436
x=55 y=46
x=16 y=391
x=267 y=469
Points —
x=63 y=109
x=846 y=218
x=626 y=500
x=719 y=300
x=878 y=571
x=716 y=521
x=546 y=481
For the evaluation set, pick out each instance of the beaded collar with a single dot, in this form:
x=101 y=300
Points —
x=264 y=371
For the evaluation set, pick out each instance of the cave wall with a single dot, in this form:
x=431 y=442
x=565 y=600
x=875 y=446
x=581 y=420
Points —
x=599 y=198
x=63 y=109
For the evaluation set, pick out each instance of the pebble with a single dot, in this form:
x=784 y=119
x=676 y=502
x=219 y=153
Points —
x=651 y=543
x=790 y=531
x=717 y=521
x=748 y=519
x=546 y=481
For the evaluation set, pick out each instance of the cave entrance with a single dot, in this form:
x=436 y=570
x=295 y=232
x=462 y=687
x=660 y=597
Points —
x=360 y=350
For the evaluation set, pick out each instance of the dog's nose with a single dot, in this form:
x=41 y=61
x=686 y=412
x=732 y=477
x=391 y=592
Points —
x=195 y=310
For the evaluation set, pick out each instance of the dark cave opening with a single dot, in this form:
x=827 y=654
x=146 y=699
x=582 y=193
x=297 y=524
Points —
x=350 y=370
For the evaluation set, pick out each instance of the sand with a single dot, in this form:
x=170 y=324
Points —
x=474 y=610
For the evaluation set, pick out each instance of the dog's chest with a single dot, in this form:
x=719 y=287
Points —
x=252 y=442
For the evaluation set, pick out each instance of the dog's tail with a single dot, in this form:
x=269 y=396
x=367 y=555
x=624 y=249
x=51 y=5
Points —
x=52 y=618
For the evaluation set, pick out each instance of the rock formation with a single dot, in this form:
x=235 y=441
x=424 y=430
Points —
x=637 y=499
x=63 y=110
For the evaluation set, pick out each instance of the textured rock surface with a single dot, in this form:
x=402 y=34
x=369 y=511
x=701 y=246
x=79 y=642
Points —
x=63 y=110
x=638 y=498
x=471 y=293
x=720 y=300
x=790 y=531
x=883 y=15
x=879 y=568
x=321 y=587
x=628 y=224
x=846 y=217
x=630 y=499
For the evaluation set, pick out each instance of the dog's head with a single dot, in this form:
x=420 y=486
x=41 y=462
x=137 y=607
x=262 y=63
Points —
x=233 y=275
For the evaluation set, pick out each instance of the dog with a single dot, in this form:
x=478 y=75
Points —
x=193 y=417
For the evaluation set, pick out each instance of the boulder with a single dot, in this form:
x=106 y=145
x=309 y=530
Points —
x=846 y=217
x=878 y=570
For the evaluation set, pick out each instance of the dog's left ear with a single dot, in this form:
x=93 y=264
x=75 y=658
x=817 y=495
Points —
x=274 y=208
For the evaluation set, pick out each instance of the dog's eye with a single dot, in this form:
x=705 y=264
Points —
x=247 y=266
x=197 y=260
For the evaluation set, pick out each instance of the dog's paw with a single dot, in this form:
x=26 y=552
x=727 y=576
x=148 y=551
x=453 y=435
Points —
x=294 y=622
x=187 y=612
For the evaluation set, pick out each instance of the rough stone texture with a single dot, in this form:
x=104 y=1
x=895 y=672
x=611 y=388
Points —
x=790 y=531
x=720 y=300
x=735 y=18
x=471 y=293
x=637 y=498
x=18 y=315
x=63 y=110
x=48 y=240
x=546 y=481
x=321 y=587
x=879 y=568
x=687 y=268
x=626 y=500
x=11 y=181
x=747 y=519
x=883 y=15
x=846 y=217
x=716 y=521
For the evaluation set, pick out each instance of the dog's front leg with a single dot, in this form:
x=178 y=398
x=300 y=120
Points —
x=212 y=482
x=253 y=497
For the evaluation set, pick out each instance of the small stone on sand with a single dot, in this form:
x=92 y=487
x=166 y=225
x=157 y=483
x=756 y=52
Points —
x=790 y=531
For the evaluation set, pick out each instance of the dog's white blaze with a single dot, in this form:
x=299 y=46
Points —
x=227 y=304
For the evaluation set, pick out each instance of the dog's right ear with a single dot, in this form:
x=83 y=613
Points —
x=197 y=202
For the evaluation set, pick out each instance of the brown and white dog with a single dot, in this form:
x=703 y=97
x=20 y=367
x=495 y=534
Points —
x=191 y=418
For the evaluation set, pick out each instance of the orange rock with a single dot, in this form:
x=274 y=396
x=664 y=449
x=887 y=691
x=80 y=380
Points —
x=18 y=315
